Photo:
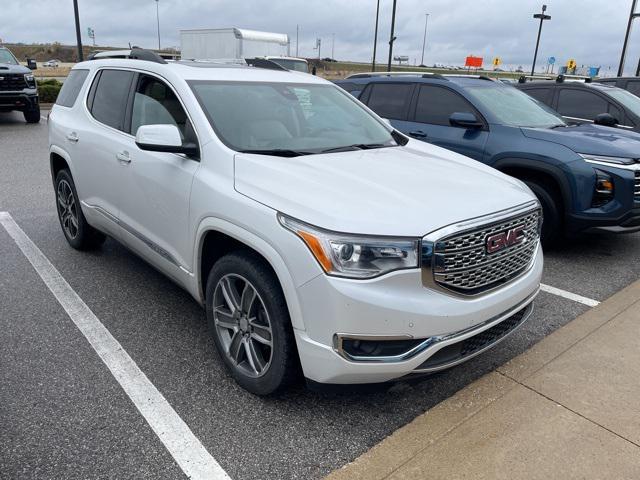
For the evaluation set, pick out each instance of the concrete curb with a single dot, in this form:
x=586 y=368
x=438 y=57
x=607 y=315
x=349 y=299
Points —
x=397 y=454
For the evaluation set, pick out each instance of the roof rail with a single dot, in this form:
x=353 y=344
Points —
x=560 y=78
x=264 y=63
x=464 y=75
x=524 y=78
x=394 y=74
x=564 y=77
x=134 y=53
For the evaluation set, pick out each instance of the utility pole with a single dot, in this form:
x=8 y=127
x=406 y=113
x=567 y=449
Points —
x=542 y=16
x=375 y=39
x=391 y=37
x=424 y=40
x=333 y=44
x=78 y=37
x=158 y=21
x=297 y=38
x=632 y=16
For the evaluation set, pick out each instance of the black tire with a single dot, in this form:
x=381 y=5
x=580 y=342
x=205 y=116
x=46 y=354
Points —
x=283 y=367
x=32 y=116
x=82 y=236
x=553 y=224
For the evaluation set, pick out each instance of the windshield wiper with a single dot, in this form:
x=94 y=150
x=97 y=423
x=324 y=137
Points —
x=356 y=146
x=278 y=152
x=558 y=125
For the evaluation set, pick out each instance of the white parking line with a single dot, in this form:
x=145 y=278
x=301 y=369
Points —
x=43 y=118
x=182 y=444
x=571 y=296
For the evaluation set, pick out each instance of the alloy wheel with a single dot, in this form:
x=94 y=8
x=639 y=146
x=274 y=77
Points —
x=243 y=325
x=67 y=209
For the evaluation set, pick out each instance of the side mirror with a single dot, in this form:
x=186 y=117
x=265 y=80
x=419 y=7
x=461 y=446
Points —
x=606 y=120
x=465 y=120
x=163 y=138
x=31 y=64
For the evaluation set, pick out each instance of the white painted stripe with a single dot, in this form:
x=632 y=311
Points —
x=43 y=118
x=571 y=296
x=182 y=444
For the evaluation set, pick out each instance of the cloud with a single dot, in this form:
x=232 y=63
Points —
x=591 y=31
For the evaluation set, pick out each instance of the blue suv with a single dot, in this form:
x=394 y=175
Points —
x=587 y=177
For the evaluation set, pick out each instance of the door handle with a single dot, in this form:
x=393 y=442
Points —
x=72 y=137
x=123 y=157
x=418 y=134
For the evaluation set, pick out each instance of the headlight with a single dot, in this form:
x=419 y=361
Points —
x=355 y=256
x=30 y=79
x=605 y=159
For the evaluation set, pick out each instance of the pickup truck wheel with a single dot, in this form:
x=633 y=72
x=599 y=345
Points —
x=32 y=116
x=79 y=234
x=248 y=318
x=552 y=227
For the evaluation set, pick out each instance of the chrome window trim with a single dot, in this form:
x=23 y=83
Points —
x=428 y=257
x=432 y=344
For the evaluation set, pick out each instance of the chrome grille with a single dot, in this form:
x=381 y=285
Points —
x=461 y=262
x=636 y=189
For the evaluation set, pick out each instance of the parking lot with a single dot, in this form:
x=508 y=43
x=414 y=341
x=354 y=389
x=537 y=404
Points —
x=64 y=415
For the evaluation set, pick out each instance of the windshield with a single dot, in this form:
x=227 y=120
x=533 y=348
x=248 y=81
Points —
x=7 y=57
x=292 y=64
x=512 y=107
x=300 y=118
x=627 y=99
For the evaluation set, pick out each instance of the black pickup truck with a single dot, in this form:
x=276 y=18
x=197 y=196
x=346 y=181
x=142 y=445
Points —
x=18 y=90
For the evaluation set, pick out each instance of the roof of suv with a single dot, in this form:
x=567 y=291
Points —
x=551 y=84
x=418 y=78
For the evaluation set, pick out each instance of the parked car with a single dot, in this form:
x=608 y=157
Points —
x=587 y=177
x=314 y=234
x=51 y=64
x=586 y=101
x=18 y=89
x=631 y=84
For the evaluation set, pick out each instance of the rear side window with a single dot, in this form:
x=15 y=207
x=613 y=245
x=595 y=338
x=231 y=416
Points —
x=390 y=100
x=633 y=86
x=71 y=88
x=581 y=104
x=110 y=97
x=435 y=105
x=540 y=94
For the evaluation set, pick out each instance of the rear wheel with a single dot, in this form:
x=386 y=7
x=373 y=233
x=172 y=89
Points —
x=249 y=321
x=552 y=226
x=77 y=231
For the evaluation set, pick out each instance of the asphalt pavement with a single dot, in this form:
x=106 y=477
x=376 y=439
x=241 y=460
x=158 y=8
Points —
x=63 y=415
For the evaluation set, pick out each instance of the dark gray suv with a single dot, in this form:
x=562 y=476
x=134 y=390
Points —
x=18 y=90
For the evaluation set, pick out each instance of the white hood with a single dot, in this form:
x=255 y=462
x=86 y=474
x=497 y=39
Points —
x=398 y=191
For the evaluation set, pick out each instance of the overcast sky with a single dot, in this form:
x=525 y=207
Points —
x=591 y=31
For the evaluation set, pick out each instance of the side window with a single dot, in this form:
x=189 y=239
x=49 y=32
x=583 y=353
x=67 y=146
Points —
x=154 y=103
x=540 y=94
x=615 y=112
x=71 y=88
x=390 y=100
x=580 y=104
x=435 y=105
x=110 y=97
x=634 y=87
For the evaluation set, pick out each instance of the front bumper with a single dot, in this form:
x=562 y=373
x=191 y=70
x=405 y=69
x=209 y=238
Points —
x=27 y=100
x=399 y=306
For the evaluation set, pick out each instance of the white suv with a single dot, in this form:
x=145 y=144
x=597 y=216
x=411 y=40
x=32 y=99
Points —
x=320 y=240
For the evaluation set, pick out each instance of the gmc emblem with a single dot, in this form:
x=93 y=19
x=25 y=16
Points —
x=502 y=240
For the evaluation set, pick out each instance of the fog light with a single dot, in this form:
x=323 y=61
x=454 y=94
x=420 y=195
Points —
x=604 y=189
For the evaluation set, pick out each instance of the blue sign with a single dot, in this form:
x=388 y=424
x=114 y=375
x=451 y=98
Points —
x=551 y=60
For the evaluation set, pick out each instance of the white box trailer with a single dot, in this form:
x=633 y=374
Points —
x=231 y=43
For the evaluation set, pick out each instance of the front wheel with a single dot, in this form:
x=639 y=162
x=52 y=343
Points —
x=79 y=234
x=33 y=115
x=552 y=225
x=248 y=318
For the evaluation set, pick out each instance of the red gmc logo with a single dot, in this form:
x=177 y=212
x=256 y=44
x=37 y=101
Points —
x=502 y=240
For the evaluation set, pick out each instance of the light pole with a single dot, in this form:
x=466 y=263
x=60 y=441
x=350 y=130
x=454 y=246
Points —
x=542 y=16
x=391 y=37
x=333 y=44
x=158 y=21
x=375 y=39
x=424 y=39
x=632 y=16
x=297 y=39
x=78 y=37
